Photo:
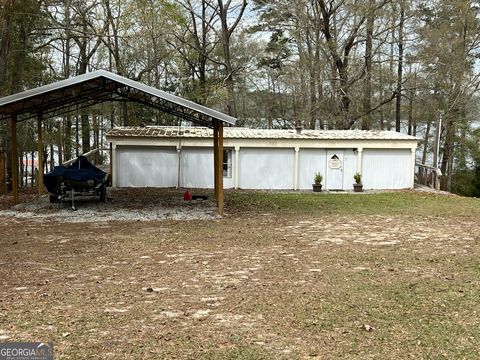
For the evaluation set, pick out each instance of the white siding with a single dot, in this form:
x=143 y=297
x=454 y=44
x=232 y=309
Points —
x=258 y=168
x=311 y=161
x=349 y=168
x=386 y=168
x=196 y=168
x=146 y=167
x=261 y=168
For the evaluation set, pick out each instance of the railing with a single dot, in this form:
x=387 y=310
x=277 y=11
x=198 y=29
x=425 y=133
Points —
x=428 y=176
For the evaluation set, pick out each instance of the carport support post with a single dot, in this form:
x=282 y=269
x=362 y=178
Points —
x=40 y=153
x=13 y=122
x=220 y=168
x=215 y=158
x=218 y=162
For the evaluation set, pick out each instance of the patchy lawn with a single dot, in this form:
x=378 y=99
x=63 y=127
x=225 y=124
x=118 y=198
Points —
x=280 y=276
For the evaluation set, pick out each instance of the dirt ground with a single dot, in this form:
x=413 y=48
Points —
x=245 y=286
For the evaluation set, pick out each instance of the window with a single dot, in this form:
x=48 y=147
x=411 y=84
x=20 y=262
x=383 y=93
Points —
x=227 y=163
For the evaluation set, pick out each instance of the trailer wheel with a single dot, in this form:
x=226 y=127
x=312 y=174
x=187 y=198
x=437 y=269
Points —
x=103 y=193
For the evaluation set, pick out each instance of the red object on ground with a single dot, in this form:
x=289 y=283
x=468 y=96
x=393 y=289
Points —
x=187 y=196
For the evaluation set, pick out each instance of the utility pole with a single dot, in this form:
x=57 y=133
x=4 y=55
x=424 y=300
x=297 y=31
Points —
x=438 y=132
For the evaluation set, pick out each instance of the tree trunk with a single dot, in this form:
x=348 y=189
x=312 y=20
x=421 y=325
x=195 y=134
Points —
x=68 y=138
x=231 y=106
x=412 y=123
x=21 y=169
x=398 y=102
x=410 y=114
x=85 y=132
x=52 y=158
x=77 y=137
x=95 y=136
x=367 y=85
x=390 y=78
x=382 y=93
x=425 y=141
x=5 y=23
x=66 y=72
x=270 y=105
x=226 y=33
x=32 y=170
x=447 y=158
x=60 y=143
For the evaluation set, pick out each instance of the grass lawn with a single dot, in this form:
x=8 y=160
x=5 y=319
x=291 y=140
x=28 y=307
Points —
x=280 y=276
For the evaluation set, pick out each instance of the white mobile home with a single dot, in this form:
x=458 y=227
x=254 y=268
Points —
x=261 y=159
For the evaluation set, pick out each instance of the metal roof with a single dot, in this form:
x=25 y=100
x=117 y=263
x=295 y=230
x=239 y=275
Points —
x=244 y=133
x=99 y=86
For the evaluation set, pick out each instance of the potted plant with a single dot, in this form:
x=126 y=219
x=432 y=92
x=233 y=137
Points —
x=317 y=182
x=358 y=186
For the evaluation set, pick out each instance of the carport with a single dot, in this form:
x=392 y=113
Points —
x=78 y=92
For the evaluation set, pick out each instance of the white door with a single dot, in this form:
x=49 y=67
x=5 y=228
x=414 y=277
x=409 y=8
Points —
x=334 y=176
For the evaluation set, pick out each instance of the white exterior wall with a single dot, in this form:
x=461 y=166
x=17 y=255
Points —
x=260 y=164
x=386 y=168
x=313 y=160
x=146 y=167
x=158 y=167
x=349 y=168
x=196 y=168
x=310 y=162
x=262 y=168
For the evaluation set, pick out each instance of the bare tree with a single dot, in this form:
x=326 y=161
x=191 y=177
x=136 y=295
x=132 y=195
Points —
x=226 y=11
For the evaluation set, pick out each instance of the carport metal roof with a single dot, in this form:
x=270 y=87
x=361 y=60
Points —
x=92 y=88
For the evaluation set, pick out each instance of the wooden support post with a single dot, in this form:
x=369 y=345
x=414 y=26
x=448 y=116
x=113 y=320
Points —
x=215 y=158
x=218 y=163
x=40 y=154
x=220 y=168
x=13 y=122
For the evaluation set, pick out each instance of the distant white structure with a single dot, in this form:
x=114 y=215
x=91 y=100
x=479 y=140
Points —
x=261 y=159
